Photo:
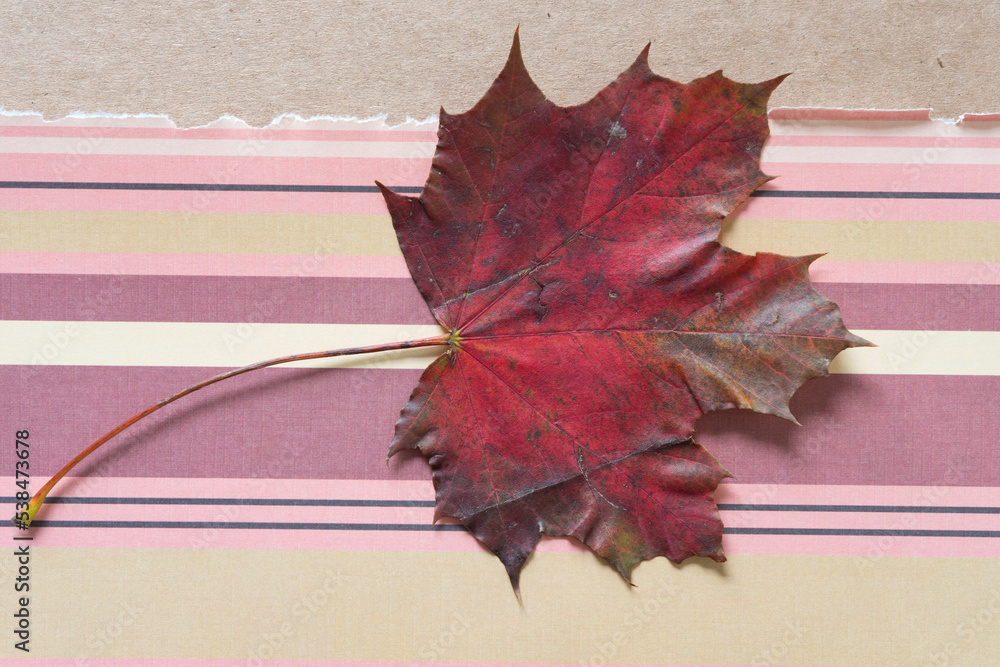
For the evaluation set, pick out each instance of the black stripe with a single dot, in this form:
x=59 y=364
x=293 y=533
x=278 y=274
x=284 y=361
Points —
x=411 y=189
x=875 y=532
x=855 y=194
x=269 y=502
x=211 y=187
x=909 y=509
x=265 y=525
x=248 y=525
x=340 y=502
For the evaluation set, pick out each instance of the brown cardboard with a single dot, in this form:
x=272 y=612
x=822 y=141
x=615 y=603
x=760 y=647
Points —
x=196 y=61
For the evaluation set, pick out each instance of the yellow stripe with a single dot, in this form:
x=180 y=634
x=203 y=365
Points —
x=861 y=240
x=224 y=233
x=457 y=607
x=231 y=233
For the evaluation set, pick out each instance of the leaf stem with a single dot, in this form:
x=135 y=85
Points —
x=24 y=518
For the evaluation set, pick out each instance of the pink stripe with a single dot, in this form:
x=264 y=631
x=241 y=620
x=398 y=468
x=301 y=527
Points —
x=271 y=203
x=853 y=494
x=981 y=118
x=863 y=115
x=424 y=516
x=163 y=264
x=214 y=169
x=399 y=489
x=418 y=516
x=457 y=541
x=425 y=540
x=868 y=211
x=796 y=177
x=883 y=142
x=94 y=133
x=928 y=175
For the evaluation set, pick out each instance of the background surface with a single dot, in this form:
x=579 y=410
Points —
x=240 y=271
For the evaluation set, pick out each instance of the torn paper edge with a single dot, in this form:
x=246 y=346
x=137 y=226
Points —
x=378 y=122
x=287 y=121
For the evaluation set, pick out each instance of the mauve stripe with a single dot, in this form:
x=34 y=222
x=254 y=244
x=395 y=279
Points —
x=396 y=301
x=336 y=424
x=394 y=266
x=906 y=306
x=212 y=299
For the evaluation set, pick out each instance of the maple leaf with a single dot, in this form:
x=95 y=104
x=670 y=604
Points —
x=572 y=254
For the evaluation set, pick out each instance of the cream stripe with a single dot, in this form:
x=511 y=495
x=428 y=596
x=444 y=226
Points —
x=927 y=352
x=458 y=608
x=227 y=345
x=231 y=233
x=224 y=345
x=242 y=148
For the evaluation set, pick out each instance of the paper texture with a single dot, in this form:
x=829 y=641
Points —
x=197 y=60
x=258 y=520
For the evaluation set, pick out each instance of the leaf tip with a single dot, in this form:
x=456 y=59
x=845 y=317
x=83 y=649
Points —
x=398 y=205
x=515 y=48
x=771 y=84
x=515 y=580
x=858 y=341
x=643 y=58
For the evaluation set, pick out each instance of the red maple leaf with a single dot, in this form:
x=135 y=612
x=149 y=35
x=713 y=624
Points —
x=572 y=254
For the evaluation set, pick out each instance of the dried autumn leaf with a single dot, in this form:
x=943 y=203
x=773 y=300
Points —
x=572 y=253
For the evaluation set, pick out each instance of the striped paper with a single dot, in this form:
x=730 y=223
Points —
x=258 y=522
